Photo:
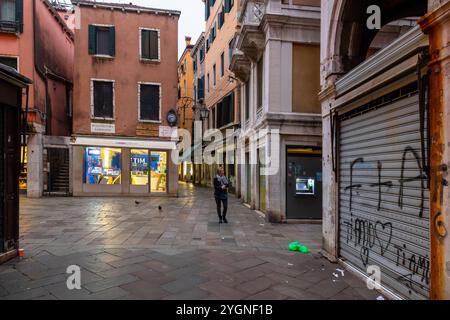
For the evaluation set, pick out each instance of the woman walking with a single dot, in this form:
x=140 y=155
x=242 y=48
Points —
x=221 y=194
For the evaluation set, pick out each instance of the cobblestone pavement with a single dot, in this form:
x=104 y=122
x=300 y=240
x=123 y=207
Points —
x=129 y=249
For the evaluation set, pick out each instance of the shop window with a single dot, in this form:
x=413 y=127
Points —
x=102 y=166
x=103 y=99
x=23 y=170
x=158 y=171
x=150 y=102
x=150 y=44
x=139 y=167
x=9 y=61
x=102 y=40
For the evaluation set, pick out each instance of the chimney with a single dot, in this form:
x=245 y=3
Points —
x=188 y=41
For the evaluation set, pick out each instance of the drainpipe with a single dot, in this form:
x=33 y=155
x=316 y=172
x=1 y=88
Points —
x=436 y=23
x=42 y=73
x=24 y=129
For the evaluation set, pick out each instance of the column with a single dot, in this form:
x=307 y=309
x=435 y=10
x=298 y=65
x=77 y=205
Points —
x=35 y=175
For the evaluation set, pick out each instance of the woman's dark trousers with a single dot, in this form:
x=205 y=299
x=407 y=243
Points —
x=219 y=202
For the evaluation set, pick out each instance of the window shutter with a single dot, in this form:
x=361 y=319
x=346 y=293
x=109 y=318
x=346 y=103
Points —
x=112 y=41
x=227 y=6
x=201 y=88
x=145 y=44
x=150 y=102
x=92 y=40
x=207 y=10
x=154 y=45
x=19 y=15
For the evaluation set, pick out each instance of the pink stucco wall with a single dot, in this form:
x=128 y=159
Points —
x=125 y=68
x=54 y=49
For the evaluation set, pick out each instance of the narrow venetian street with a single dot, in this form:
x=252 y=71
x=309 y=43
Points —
x=129 y=249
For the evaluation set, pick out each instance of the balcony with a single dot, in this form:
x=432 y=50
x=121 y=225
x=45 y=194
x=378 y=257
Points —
x=240 y=65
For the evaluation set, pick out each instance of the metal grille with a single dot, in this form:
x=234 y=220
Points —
x=384 y=197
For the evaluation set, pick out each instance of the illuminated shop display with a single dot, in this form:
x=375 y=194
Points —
x=102 y=166
x=158 y=171
x=23 y=171
x=139 y=167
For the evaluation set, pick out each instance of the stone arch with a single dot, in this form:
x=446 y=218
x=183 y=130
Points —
x=349 y=38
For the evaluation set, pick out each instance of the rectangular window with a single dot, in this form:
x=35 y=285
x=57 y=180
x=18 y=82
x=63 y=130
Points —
x=102 y=40
x=214 y=75
x=150 y=44
x=8 y=10
x=260 y=75
x=149 y=102
x=201 y=88
x=139 y=167
x=11 y=15
x=202 y=54
x=222 y=64
x=208 y=83
x=102 y=166
x=207 y=10
x=213 y=118
x=225 y=111
x=9 y=61
x=221 y=18
x=247 y=100
x=158 y=171
x=103 y=99
x=228 y=5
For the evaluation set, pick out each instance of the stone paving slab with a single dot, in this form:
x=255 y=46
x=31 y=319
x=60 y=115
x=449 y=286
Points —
x=128 y=251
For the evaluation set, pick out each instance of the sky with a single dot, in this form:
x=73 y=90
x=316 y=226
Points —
x=191 y=22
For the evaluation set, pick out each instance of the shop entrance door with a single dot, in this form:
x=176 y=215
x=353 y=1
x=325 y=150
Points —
x=59 y=168
x=304 y=184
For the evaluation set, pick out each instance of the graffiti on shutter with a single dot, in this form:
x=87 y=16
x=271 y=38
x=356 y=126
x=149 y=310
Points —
x=384 y=200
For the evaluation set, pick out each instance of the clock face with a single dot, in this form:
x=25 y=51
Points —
x=172 y=117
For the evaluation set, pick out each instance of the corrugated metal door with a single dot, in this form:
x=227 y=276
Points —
x=383 y=194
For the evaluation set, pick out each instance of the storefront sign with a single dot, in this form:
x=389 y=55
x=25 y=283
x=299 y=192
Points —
x=166 y=132
x=103 y=128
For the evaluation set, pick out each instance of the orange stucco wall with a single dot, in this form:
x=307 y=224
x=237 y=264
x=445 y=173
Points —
x=21 y=45
x=125 y=68
x=186 y=84
x=224 y=85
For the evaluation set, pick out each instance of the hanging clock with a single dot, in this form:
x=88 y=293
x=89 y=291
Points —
x=172 y=118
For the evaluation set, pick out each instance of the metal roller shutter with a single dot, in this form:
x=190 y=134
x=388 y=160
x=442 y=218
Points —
x=384 y=197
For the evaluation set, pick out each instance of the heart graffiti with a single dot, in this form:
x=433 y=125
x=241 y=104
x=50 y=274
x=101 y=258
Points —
x=387 y=228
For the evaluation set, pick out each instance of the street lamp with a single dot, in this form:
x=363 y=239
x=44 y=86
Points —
x=203 y=112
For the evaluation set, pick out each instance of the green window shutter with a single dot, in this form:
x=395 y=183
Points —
x=19 y=15
x=154 y=45
x=112 y=41
x=207 y=10
x=92 y=40
x=227 y=6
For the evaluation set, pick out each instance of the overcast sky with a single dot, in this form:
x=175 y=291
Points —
x=192 y=21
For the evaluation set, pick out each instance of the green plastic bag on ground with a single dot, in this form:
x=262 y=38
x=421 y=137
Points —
x=296 y=246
